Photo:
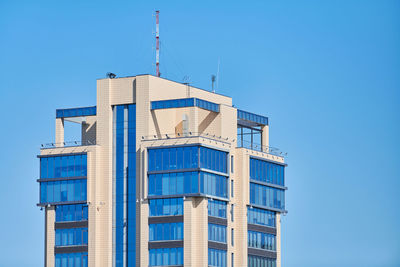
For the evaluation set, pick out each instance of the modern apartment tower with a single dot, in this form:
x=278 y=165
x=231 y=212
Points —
x=165 y=174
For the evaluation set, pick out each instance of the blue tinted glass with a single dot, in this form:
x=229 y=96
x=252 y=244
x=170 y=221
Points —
x=57 y=167
x=78 y=165
x=57 y=186
x=195 y=182
x=84 y=190
x=151 y=159
x=43 y=192
x=43 y=168
x=217 y=233
x=187 y=179
x=166 y=207
x=217 y=208
x=50 y=167
x=64 y=166
x=84 y=165
x=71 y=166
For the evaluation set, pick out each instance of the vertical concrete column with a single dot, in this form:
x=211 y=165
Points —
x=102 y=227
x=242 y=199
x=59 y=132
x=144 y=235
x=50 y=236
x=278 y=240
x=265 y=137
x=195 y=238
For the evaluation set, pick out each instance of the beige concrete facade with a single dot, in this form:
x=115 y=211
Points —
x=156 y=128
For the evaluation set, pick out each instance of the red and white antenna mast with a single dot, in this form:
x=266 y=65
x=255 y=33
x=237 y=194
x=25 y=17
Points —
x=157 y=45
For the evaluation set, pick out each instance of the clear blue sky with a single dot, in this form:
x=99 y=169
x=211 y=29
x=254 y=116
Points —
x=326 y=73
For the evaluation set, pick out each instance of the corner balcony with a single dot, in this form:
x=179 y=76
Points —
x=67 y=144
x=187 y=138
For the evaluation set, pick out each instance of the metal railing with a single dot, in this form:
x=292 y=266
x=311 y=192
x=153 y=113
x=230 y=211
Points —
x=266 y=149
x=67 y=144
x=212 y=137
x=245 y=144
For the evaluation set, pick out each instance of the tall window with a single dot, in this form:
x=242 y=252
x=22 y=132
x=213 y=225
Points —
x=63 y=166
x=231 y=188
x=166 y=256
x=217 y=208
x=261 y=240
x=268 y=172
x=232 y=237
x=165 y=231
x=232 y=212
x=67 y=213
x=261 y=216
x=266 y=196
x=166 y=207
x=217 y=233
x=216 y=257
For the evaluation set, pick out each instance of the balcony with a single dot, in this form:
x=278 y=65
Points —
x=67 y=144
x=265 y=149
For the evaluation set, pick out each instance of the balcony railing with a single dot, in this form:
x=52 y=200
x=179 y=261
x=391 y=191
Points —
x=67 y=144
x=212 y=137
x=266 y=149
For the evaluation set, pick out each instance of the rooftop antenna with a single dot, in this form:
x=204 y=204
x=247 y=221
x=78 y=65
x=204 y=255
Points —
x=212 y=82
x=157 y=44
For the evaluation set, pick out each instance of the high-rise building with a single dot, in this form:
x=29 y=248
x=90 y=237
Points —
x=165 y=174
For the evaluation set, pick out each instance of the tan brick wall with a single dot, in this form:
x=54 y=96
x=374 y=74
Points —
x=50 y=236
x=278 y=240
x=195 y=232
x=59 y=132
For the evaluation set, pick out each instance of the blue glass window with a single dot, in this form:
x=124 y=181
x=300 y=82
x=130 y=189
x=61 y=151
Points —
x=185 y=102
x=217 y=233
x=124 y=172
x=267 y=196
x=217 y=208
x=244 y=115
x=213 y=159
x=66 y=213
x=261 y=240
x=268 y=172
x=161 y=159
x=216 y=257
x=257 y=261
x=75 y=112
x=166 y=256
x=261 y=217
x=71 y=259
x=60 y=191
x=171 y=184
x=63 y=166
x=166 y=207
x=71 y=237
x=213 y=184
x=165 y=231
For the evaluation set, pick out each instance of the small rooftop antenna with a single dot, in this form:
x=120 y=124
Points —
x=212 y=82
x=157 y=44
x=186 y=81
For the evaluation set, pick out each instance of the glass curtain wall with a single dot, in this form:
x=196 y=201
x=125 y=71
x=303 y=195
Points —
x=124 y=185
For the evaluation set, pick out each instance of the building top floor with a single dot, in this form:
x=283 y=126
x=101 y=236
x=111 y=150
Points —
x=167 y=110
